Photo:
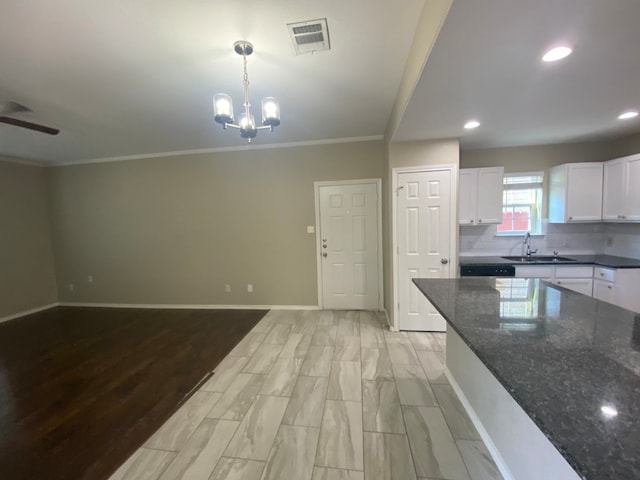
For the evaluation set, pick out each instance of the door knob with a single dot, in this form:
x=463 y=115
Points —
x=324 y=254
x=324 y=245
x=444 y=261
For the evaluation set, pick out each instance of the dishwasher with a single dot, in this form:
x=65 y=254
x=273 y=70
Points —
x=487 y=271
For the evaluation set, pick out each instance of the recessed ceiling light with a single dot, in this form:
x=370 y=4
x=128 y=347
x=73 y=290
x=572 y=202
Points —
x=557 y=53
x=471 y=124
x=627 y=115
x=609 y=411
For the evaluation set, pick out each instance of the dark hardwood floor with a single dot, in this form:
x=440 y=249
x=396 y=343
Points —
x=82 y=388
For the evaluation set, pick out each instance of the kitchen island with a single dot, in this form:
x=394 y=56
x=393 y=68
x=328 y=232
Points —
x=551 y=377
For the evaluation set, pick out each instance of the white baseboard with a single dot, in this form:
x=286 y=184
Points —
x=493 y=450
x=386 y=317
x=190 y=307
x=28 y=312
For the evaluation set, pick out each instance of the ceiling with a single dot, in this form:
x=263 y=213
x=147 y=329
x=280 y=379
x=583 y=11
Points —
x=125 y=78
x=486 y=65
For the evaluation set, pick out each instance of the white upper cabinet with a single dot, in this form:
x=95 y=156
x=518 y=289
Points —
x=481 y=196
x=467 y=192
x=575 y=192
x=614 y=193
x=621 y=196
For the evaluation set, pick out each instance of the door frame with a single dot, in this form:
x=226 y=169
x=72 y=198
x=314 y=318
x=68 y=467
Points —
x=331 y=183
x=395 y=249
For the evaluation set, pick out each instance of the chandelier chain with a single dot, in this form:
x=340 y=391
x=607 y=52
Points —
x=245 y=82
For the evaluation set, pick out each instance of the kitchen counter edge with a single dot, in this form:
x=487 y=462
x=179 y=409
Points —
x=608 y=261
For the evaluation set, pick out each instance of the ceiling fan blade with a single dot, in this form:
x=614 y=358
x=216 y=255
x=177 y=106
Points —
x=8 y=107
x=29 y=125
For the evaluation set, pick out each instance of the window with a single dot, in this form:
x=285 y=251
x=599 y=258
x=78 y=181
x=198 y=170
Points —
x=522 y=204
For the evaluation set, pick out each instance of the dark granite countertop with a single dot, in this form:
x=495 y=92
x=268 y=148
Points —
x=563 y=356
x=610 y=261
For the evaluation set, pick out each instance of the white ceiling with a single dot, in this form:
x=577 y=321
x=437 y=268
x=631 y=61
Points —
x=125 y=78
x=486 y=65
x=122 y=77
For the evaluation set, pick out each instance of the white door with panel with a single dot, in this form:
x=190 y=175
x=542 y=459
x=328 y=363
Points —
x=424 y=224
x=348 y=224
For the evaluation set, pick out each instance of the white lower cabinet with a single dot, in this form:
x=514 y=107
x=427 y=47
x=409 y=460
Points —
x=614 y=285
x=603 y=290
x=580 y=285
x=618 y=286
x=574 y=277
x=578 y=278
x=544 y=272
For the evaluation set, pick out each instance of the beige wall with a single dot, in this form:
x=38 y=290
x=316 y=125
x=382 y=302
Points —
x=537 y=157
x=627 y=145
x=409 y=154
x=175 y=230
x=27 y=278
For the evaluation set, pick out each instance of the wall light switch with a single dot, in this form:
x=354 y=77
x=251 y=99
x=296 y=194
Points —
x=311 y=229
x=249 y=288
x=90 y=278
x=227 y=288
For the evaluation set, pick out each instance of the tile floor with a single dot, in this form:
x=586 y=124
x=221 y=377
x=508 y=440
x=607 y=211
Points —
x=320 y=395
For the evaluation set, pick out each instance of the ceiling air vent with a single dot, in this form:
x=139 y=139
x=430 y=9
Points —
x=310 y=36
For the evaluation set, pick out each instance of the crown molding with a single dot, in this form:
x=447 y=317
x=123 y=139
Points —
x=220 y=150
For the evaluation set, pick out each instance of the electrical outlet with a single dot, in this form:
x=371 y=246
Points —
x=90 y=278
x=609 y=241
x=249 y=288
x=565 y=243
x=311 y=229
x=227 y=288
x=71 y=287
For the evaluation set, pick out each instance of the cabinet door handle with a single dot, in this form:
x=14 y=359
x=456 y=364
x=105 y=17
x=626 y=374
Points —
x=570 y=218
x=601 y=274
x=609 y=287
x=471 y=221
x=479 y=220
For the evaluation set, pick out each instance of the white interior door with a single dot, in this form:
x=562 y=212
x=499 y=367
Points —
x=423 y=225
x=348 y=229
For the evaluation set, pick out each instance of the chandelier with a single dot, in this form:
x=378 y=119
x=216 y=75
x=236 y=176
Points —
x=223 y=106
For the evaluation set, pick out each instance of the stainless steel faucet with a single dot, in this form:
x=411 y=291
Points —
x=527 y=244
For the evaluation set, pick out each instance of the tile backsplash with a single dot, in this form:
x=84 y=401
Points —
x=622 y=239
x=574 y=238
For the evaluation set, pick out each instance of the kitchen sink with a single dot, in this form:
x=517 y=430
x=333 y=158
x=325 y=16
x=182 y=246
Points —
x=539 y=258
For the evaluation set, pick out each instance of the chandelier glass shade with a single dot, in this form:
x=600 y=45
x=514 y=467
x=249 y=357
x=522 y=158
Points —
x=223 y=105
